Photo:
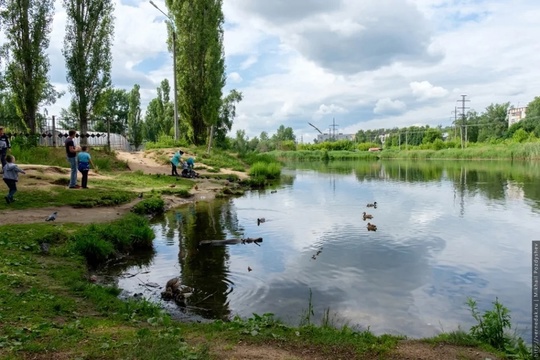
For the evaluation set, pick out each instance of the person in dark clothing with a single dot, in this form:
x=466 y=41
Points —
x=71 y=153
x=4 y=146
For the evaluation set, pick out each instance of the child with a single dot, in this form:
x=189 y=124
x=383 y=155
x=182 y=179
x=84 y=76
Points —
x=84 y=159
x=176 y=161
x=11 y=176
x=4 y=146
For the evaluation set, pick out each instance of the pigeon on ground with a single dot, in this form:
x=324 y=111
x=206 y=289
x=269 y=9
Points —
x=52 y=217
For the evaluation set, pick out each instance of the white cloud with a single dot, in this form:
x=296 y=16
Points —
x=297 y=62
x=234 y=77
x=388 y=106
x=424 y=90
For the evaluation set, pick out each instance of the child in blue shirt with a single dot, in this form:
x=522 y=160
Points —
x=84 y=160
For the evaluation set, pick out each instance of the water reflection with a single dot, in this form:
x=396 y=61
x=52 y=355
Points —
x=446 y=231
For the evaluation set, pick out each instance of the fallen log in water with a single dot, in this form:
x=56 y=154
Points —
x=231 y=241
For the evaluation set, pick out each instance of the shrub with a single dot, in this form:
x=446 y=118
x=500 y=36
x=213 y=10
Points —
x=98 y=243
x=265 y=170
x=150 y=206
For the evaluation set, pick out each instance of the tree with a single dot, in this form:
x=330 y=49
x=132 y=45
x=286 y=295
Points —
x=201 y=63
x=87 y=50
x=533 y=109
x=135 y=128
x=68 y=117
x=28 y=26
x=227 y=113
x=493 y=122
x=113 y=106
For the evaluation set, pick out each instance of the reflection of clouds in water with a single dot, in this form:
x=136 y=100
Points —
x=424 y=216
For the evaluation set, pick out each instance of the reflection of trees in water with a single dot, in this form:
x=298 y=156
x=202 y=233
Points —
x=489 y=179
x=204 y=267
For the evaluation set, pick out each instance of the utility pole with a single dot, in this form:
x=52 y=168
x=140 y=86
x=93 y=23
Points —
x=463 y=107
x=173 y=27
x=333 y=126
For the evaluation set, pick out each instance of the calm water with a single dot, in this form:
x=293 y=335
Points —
x=446 y=231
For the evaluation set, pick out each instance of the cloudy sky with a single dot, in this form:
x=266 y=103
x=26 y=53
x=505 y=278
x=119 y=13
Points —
x=368 y=64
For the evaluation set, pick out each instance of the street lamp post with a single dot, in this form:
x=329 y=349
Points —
x=174 y=70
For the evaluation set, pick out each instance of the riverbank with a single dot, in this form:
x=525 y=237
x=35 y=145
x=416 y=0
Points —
x=529 y=151
x=53 y=306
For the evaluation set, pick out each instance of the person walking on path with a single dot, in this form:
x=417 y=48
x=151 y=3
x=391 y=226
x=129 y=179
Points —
x=11 y=176
x=176 y=161
x=71 y=153
x=84 y=160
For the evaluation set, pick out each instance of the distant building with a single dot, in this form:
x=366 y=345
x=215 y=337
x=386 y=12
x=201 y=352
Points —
x=329 y=137
x=515 y=115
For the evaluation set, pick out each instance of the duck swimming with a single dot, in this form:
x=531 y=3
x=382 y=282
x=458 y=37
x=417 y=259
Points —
x=260 y=221
x=371 y=227
x=372 y=205
x=367 y=216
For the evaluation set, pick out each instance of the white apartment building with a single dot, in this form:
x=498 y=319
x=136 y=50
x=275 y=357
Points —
x=515 y=115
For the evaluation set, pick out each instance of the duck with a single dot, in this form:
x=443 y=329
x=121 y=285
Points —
x=367 y=216
x=372 y=205
x=260 y=221
x=371 y=227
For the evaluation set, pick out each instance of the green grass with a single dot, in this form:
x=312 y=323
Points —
x=59 y=196
x=317 y=155
x=508 y=150
x=265 y=170
x=150 y=206
x=104 y=160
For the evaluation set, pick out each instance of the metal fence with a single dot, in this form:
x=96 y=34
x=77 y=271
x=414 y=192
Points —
x=52 y=133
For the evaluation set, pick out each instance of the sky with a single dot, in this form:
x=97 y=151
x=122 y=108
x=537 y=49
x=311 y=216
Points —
x=365 y=64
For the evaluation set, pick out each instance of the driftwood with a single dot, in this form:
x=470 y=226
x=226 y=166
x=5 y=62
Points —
x=231 y=241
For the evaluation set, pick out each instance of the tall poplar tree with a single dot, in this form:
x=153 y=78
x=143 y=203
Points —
x=87 y=50
x=200 y=63
x=27 y=26
x=135 y=125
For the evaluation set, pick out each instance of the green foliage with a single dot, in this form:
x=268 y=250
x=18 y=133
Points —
x=491 y=329
x=113 y=106
x=28 y=26
x=265 y=170
x=201 y=63
x=164 y=142
x=150 y=206
x=520 y=136
x=100 y=242
x=135 y=125
x=87 y=50
x=367 y=145
x=227 y=113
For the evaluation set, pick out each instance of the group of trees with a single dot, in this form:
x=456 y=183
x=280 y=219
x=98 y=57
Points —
x=95 y=103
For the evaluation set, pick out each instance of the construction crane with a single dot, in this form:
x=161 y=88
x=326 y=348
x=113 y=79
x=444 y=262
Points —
x=316 y=128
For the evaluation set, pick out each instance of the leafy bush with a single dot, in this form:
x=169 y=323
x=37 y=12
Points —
x=491 y=329
x=98 y=243
x=164 y=141
x=150 y=206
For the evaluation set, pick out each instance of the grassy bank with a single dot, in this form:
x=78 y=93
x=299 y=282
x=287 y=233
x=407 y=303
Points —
x=507 y=151
x=51 y=304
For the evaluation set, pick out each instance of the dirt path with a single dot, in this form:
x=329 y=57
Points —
x=43 y=177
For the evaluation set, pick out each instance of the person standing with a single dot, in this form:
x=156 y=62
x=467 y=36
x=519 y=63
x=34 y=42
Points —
x=71 y=153
x=4 y=146
x=176 y=161
x=84 y=160
x=11 y=176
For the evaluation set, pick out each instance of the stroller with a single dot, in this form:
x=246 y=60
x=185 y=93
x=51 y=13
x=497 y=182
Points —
x=187 y=169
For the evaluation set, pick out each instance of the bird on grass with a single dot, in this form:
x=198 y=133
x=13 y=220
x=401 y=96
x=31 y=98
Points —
x=371 y=227
x=52 y=217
